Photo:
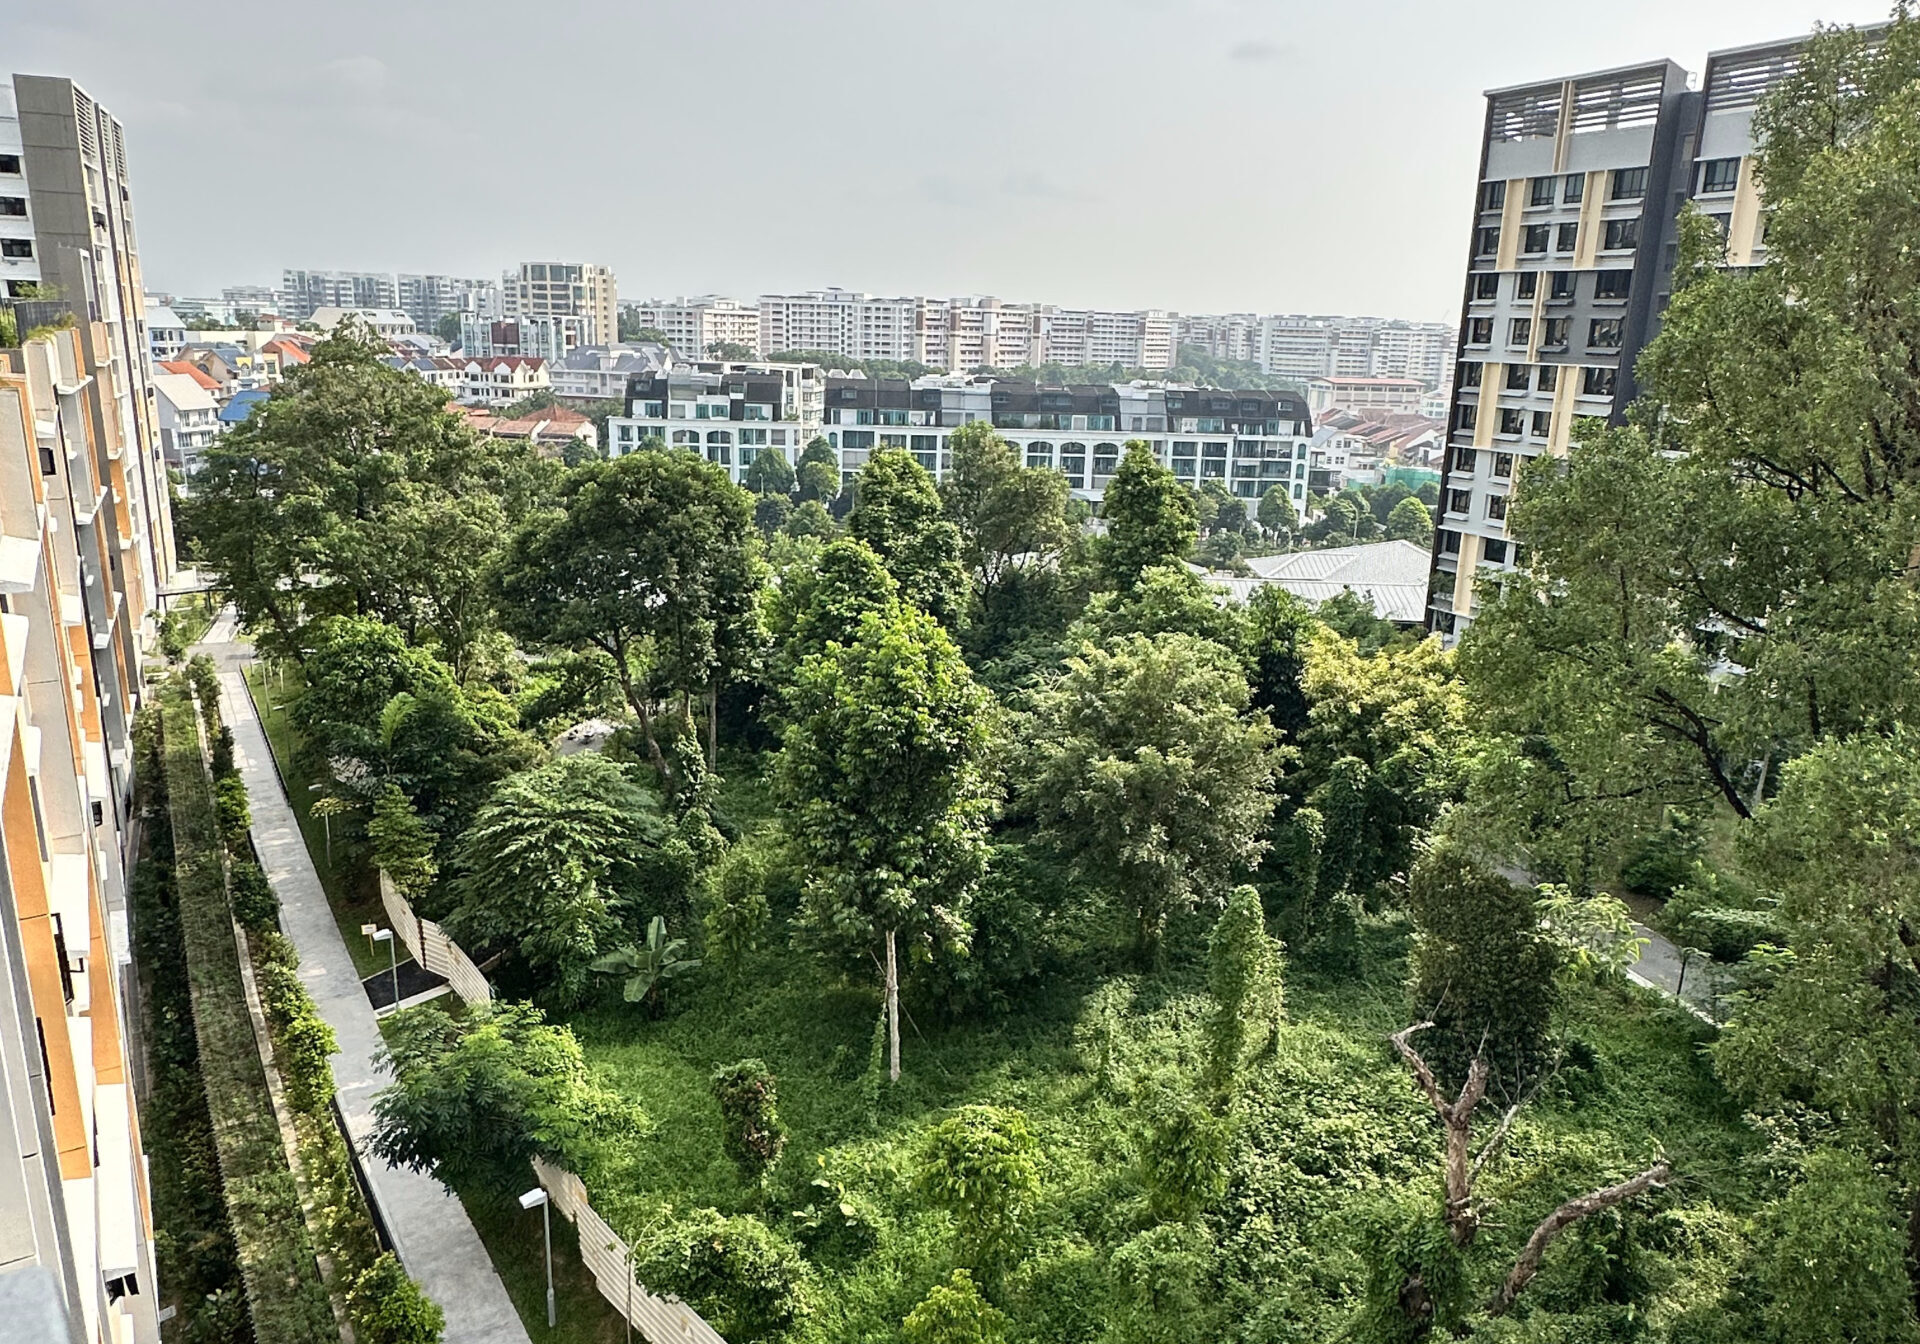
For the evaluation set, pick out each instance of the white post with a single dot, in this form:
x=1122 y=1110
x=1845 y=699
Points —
x=546 y=1228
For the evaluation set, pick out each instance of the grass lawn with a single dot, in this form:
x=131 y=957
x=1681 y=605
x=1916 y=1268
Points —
x=354 y=896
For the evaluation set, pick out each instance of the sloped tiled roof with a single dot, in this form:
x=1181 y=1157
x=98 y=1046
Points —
x=1391 y=573
x=188 y=369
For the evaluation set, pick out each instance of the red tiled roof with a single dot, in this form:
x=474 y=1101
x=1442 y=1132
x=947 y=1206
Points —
x=191 y=370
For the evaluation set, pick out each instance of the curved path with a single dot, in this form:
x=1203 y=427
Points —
x=430 y=1230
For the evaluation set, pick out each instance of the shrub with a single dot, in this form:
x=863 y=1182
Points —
x=389 y=1308
x=753 y=1136
x=1184 y=1162
x=1662 y=862
x=222 y=752
x=306 y=1042
x=254 y=903
x=748 y=1283
x=232 y=813
x=955 y=1313
x=981 y=1166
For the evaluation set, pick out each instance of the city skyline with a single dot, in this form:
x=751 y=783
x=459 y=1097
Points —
x=1274 y=129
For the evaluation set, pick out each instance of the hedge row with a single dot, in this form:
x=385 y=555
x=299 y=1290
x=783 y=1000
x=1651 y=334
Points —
x=285 y=1295
x=385 y=1305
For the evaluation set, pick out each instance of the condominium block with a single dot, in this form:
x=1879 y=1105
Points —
x=429 y=298
x=1303 y=346
x=303 y=291
x=1248 y=441
x=1570 y=261
x=695 y=325
x=564 y=289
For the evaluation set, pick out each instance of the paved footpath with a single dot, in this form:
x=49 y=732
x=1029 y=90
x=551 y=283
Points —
x=430 y=1230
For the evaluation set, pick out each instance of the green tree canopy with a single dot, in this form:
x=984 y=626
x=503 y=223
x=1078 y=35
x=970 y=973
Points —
x=1151 y=518
x=1410 y=521
x=474 y=1099
x=547 y=860
x=769 y=473
x=1010 y=516
x=353 y=491
x=648 y=558
x=884 y=785
x=897 y=512
x=1277 y=513
x=1149 y=775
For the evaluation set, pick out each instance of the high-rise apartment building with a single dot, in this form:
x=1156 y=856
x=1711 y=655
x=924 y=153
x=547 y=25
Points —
x=72 y=204
x=1570 y=262
x=76 y=1230
x=303 y=291
x=429 y=298
x=564 y=289
x=839 y=322
x=1303 y=347
x=694 y=325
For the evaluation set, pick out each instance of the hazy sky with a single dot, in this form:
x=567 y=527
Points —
x=1202 y=155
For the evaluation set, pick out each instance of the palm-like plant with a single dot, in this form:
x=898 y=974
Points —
x=647 y=967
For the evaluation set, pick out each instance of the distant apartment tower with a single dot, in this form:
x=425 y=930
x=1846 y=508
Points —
x=255 y=299
x=429 y=298
x=694 y=325
x=564 y=289
x=839 y=322
x=1570 y=263
x=1302 y=347
x=303 y=291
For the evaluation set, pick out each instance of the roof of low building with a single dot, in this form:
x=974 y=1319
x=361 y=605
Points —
x=240 y=405
x=185 y=392
x=1392 y=574
x=188 y=369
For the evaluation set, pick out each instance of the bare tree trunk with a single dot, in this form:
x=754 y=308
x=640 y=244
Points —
x=893 y=1011
x=1457 y=1115
x=1560 y=1220
x=713 y=726
x=638 y=704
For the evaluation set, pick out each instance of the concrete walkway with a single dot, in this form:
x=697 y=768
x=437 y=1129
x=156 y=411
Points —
x=430 y=1230
x=1659 y=967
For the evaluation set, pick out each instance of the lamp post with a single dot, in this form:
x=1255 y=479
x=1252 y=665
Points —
x=393 y=961
x=537 y=1198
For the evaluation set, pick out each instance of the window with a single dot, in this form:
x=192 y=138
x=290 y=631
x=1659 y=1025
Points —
x=1542 y=424
x=1493 y=195
x=1496 y=506
x=1596 y=382
x=1566 y=237
x=47 y=466
x=1486 y=240
x=1480 y=331
x=1449 y=542
x=1719 y=175
x=10 y=164
x=1549 y=377
x=1459 y=501
x=1724 y=223
x=1576 y=188
x=1519 y=331
x=1623 y=235
x=1512 y=420
x=1612 y=284
x=1493 y=551
x=1542 y=191
x=1562 y=287
x=16 y=247
x=1469 y=376
x=1486 y=285
x=1629 y=184
x=1603 y=333
x=1526 y=284
x=1465 y=416
x=1463 y=458
x=1517 y=380
x=1553 y=333
x=1184 y=448
x=1503 y=464
x=13 y=205
x=1534 y=238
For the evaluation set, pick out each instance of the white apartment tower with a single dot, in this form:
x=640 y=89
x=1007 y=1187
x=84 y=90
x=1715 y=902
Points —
x=564 y=289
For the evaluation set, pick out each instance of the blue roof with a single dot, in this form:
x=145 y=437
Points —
x=241 y=405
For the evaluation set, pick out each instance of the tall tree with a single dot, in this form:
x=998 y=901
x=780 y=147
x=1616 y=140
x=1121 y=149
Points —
x=1151 y=777
x=548 y=860
x=897 y=512
x=648 y=558
x=1277 y=513
x=884 y=784
x=352 y=491
x=1151 y=518
x=817 y=473
x=1410 y=521
x=769 y=473
x=1010 y=516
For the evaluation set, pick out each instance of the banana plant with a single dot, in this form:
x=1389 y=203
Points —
x=647 y=967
